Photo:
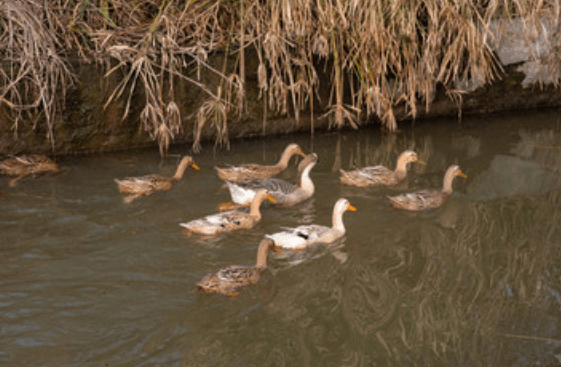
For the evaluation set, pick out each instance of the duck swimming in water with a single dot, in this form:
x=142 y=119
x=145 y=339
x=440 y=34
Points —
x=253 y=171
x=227 y=280
x=135 y=187
x=230 y=220
x=303 y=236
x=285 y=193
x=25 y=165
x=380 y=175
x=427 y=199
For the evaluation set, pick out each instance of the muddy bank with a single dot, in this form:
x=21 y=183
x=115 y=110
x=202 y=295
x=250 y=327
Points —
x=86 y=126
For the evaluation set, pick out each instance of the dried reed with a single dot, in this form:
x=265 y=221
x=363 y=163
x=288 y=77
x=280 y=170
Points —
x=381 y=54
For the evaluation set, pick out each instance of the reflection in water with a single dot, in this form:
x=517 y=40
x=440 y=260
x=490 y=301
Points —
x=86 y=280
x=369 y=299
x=497 y=265
x=543 y=147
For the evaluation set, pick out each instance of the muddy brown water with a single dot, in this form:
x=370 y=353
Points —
x=86 y=280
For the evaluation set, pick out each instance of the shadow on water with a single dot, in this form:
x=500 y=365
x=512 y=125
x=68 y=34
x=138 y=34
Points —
x=88 y=280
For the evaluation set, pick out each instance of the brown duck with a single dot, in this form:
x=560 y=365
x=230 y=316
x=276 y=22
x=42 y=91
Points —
x=428 y=199
x=135 y=187
x=25 y=165
x=380 y=175
x=230 y=220
x=230 y=278
x=253 y=171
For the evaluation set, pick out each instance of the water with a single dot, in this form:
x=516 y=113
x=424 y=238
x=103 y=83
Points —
x=86 y=280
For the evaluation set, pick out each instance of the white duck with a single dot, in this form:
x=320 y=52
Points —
x=303 y=236
x=285 y=193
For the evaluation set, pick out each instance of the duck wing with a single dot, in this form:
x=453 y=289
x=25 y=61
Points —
x=419 y=200
x=299 y=237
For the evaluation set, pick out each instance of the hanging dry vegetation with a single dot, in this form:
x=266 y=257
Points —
x=381 y=54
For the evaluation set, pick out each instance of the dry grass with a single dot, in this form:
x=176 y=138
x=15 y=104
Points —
x=35 y=74
x=381 y=54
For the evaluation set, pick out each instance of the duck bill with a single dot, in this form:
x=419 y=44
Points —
x=195 y=166
x=461 y=174
x=276 y=249
x=420 y=161
x=351 y=208
x=271 y=199
x=301 y=153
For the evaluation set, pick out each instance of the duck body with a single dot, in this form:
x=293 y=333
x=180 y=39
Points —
x=368 y=176
x=303 y=236
x=427 y=199
x=227 y=280
x=379 y=175
x=146 y=185
x=419 y=200
x=284 y=193
x=230 y=220
x=230 y=278
x=25 y=165
x=253 y=171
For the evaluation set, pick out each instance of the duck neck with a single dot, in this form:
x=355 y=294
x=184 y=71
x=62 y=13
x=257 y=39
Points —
x=447 y=185
x=304 y=181
x=262 y=253
x=401 y=166
x=180 y=170
x=284 y=159
x=337 y=220
x=254 y=210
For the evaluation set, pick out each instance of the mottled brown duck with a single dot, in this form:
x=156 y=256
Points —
x=254 y=171
x=380 y=175
x=427 y=199
x=227 y=280
x=231 y=220
x=135 y=187
x=25 y=165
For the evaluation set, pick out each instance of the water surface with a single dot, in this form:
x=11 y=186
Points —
x=86 y=280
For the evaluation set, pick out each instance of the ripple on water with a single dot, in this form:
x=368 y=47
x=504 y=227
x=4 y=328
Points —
x=369 y=299
x=89 y=281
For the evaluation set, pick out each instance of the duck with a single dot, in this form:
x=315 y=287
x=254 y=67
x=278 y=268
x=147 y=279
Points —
x=284 y=193
x=253 y=171
x=428 y=199
x=303 y=236
x=135 y=187
x=380 y=175
x=227 y=280
x=25 y=165
x=230 y=220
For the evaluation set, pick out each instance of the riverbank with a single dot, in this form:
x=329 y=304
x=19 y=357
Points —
x=107 y=76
